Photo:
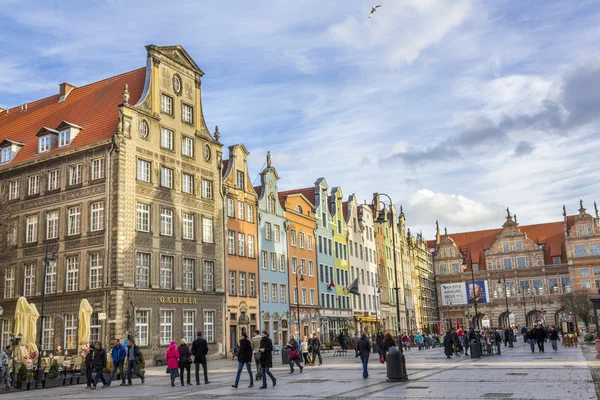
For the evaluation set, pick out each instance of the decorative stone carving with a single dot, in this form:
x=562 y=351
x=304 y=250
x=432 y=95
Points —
x=75 y=244
x=34 y=251
x=143 y=241
x=208 y=250
x=189 y=247
x=217 y=134
x=156 y=61
x=126 y=95
x=188 y=90
x=166 y=78
x=197 y=82
x=168 y=244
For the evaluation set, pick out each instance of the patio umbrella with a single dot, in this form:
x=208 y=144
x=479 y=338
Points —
x=32 y=329
x=21 y=323
x=85 y=314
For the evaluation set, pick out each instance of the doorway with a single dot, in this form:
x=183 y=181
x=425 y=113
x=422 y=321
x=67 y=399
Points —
x=233 y=336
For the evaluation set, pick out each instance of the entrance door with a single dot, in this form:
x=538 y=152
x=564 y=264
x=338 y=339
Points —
x=233 y=337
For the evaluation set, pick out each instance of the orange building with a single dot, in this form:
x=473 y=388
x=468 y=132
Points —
x=240 y=247
x=302 y=256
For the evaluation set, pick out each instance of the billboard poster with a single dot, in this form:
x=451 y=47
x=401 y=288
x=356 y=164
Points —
x=454 y=294
x=477 y=290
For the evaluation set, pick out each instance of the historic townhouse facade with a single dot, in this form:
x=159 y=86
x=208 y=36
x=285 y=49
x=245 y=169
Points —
x=342 y=269
x=422 y=261
x=302 y=260
x=372 y=319
x=241 y=247
x=273 y=230
x=406 y=275
x=124 y=176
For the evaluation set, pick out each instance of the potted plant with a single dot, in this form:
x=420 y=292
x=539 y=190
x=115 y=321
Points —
x=22 y=378
x=52 y=379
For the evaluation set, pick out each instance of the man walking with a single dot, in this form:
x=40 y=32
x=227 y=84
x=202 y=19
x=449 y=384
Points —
x=99 y=363
x=553 y=335
x=118 y=355
x=364 y=349
x=466 y=343
x=316 y=348
x=255 y=350
x=134 y=355
x=540 y=336
x=5 y=356
x=200 y=350
x=355 y=344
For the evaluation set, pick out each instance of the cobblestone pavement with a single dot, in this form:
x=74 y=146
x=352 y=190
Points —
x=516 y=374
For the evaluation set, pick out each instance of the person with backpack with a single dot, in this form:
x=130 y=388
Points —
x=5 y=356
x=99 y=362
x=294 y=355
x=316 y=349
x=244 y=359
x=118 y=355
x=364 y=349
x=134 y=358
x=256 y=351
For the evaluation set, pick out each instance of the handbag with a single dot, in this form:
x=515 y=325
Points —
x=293 y=354
x=381 y=359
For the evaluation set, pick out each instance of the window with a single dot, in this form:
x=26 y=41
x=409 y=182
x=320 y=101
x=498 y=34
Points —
x=283 y=293
x=586 y=284
x=596 y=271
x=142 y=318
x=143 y=217
x=166 y=177
x=166 y=221
x=64 y=138
x=72 y=274
x=230 y=208
x=242 y=284
x=31 y=231
x=13 y=190
x=556 y=260
x=166 y=272
x=9 y=282
x=207 y=276
x=207 y=189
x=521 y=261
x=48 y=342
x=507 y=262
x=207 y=230
x=209 y=326
x=294 y=265
x=241 y=245
x=273 y=262
x=579 y=250
x=142 y=270
x=232 y=285
x=97 y=217
x=187 y=146
x=70 y=331
x=506 y=246
x=74 y=218
x=5 y=155
x=187 y=183
x=443 y=269
x=584 y=272
x=188 y=226
x=97 y=168
x=143 y=170
x=265 y=291
x=94 y=328
x=553 y=285
x=251 y=253
x=240 y=180
x=271 y=204
x=311 y=268
x=519 y=245
x=565 y=282
x=268 y=235
x=312 y=297
x=277 y=233
x=189 y=325
x=33 y=186
x=230 y=242
x=50 y=278
x=29 y=280
x=166 y=327
x=144 y=129
x=455 y=268
x=281 y=263
x=52 y=225
x=252 y=284
x=309 y=243
x=263 y=260
x=339 y=224
x=304 y=296
x=274 y=293
x=166 y=105
x=96 y=271
x=240 y=210
x=293 y=237
x=302 y=267
x=74 y=174
x=250 y=213
x=187 y=114
x=594 y=249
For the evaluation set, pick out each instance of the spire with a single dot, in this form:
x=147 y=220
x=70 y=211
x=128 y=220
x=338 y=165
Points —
x=401 y=211
x=445 y=231
x=581 y=209
x=564 y=211
x=508 y=212
x=596 y=209
x=515 y=216
x=217 y=134
x=126 y=94
x=268 y=159
x=408 y=233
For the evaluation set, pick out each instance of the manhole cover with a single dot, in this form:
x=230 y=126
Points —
x=497 y=395
x=417 y=387
x=517 y=373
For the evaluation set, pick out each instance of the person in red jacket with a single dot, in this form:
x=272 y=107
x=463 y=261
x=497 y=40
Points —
x=172 y=357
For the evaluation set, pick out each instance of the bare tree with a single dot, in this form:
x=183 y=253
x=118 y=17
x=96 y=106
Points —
x=578 y=302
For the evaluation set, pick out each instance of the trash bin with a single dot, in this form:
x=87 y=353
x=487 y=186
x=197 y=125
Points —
x=285 y=356
x=396 y=368
x=475 y=349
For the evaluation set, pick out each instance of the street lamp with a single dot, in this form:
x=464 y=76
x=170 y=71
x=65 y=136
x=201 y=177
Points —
x=377 y=291
x=522 y=293
x=466 y=253
x=298 y=298
x=382 y=219
x=14 y=342
x=52 y=247
x=501 y=278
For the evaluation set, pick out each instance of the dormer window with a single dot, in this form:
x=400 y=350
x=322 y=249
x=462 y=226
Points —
x=8 y=150
x=5 y=155
x=66 y=133
x=64 y=138
x=44 y=144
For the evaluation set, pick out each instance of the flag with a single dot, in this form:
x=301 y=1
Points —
x=331 y=286
x=353 y=287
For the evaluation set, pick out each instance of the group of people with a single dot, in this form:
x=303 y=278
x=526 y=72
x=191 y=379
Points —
x=540 y=335
x=179 y=360
x=95 y=362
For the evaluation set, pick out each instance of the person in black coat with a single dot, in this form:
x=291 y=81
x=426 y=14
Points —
x=185 y=360
x=266 y=359
x=244 y=359
x=388 y=342
x=89 y=366
x=448 y=344
x=553 y=336
x=99 y=362
x=200 y=350
x=540 y=337
x=364 y=349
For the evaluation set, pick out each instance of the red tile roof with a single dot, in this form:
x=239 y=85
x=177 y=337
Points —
x=309 y=193
x=258 y=190
x=224 y=167
x=93 y=107
x=345 y=210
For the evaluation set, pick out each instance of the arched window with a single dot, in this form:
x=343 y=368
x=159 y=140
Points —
x=299 y=209
x=271 y=204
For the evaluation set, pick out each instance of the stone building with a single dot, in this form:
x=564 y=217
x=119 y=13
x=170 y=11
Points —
x=426 y=299
x=121 y=178
x=242 y=242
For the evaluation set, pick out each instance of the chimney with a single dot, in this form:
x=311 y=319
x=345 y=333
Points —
x=65 y=88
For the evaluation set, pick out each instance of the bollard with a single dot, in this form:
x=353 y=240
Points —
x=396 y=366
x=285 y=356
x=475 y=349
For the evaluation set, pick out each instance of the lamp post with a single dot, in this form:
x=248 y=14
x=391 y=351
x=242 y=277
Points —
x=52 y=247
x=500 y=276
x=522 y=293
x=14 y=342
x=376 y=291
x=466 y=253
x=382 y=219
x=298 y=298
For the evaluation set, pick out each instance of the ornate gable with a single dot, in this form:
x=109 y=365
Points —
x=583 y=223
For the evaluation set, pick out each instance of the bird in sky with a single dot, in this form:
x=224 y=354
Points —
x=373 y=9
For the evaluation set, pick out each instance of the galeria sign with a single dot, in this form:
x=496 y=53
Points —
x=177 y=300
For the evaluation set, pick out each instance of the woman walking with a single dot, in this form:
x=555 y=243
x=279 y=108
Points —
x=185 y=360
x=304 y=349
x=553 y=336
x=448 y=349
x=294 y=356
x=266 y=359
x=244 y=359
x=172 y=357
x=530 y=336
x=388 y=342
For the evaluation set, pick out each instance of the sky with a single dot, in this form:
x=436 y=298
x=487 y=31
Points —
x=457 y=109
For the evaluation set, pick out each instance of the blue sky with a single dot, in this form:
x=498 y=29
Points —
x=457 y=109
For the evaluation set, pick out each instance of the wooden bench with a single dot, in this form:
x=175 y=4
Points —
x=338 y=351
x=276 y=349
x=159 y=358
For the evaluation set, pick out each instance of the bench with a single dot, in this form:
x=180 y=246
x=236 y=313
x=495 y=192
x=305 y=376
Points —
x=159 y=358
x=338 y=351
x=276 y=349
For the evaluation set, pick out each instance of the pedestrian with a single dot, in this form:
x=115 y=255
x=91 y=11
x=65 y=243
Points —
x=524 y=333
x=316 y=349
x=540 y=337
x=507 y=336
x=118 y=355
x=406 y=341
x=200 y=350
x=134 y=357
x=553 y=335
x=99 y=362
x=455 y=343
x=185 y=360
x=244 y=359
x=388 y=342
x=530 y=337
x=497 y=340
x=266 y=359
x=354 y=344
x=304 y=349
x=5 y=356
x=364 y=349
x=294 y=355
x=172 y=357
x=448 y=349
x=255 y=350
x=89 y=366
x=419 y=340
